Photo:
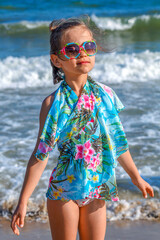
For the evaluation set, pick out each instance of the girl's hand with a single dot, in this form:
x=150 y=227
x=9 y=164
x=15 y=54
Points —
x=18 y=218
x=144 y=187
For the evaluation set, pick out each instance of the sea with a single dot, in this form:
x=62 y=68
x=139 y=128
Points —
x=130 y=30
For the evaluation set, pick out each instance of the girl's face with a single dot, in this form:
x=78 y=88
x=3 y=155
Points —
x=74 y=67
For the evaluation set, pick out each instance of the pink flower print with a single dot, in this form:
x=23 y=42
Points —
x=88 y=144
x=89 y=101
x=115 y=199
x=108 y=90
x=88 y=158
x=96 y=193
x=92 y=166
x=92 y=101
x=80 y=151
x=44 y=147
x=88 y=151
x=86 y=101
x=84 y=151
x=79 y=104
x=90 y=194
x=95 y=162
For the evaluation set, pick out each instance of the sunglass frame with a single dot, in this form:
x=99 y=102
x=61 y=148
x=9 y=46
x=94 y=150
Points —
x=80 y=48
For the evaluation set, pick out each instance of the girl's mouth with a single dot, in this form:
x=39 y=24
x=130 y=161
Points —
x=82 y=62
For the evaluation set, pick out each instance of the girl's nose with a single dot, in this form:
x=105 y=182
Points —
x=82 y=52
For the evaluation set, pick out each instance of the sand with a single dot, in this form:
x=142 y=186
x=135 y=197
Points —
x=119 y=230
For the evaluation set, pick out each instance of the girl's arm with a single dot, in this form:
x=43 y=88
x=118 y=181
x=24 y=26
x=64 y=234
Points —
x=33 y=173
x=129 y=166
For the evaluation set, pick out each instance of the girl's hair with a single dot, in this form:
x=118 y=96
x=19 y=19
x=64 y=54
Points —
x=57 y=28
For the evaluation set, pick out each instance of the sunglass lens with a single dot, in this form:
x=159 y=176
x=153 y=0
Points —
x=90 y=48
x=72 y=50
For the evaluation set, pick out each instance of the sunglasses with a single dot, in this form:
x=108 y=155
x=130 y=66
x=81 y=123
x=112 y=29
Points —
x=72 y=50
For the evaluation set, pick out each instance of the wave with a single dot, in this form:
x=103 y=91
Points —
x=25 y=72
x=23 y=26
x=105 y=23
x=135 y=67
x=114 y=67
x=125 y=23
x=123 y=210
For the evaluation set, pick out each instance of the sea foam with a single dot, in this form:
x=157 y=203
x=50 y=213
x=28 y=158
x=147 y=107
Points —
x=114 y=67
x=122 y=210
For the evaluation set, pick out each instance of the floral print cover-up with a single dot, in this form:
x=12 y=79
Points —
x=90 y=137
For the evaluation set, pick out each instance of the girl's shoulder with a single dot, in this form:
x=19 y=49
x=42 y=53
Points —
x=49 y=100
x=47 y=103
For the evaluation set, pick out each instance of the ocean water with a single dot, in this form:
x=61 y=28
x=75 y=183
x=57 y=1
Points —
x=132 y=70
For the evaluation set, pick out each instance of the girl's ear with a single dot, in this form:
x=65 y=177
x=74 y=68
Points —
x=55 y=60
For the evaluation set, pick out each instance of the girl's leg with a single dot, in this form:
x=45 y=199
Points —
x=92 y=220
x=63 y=219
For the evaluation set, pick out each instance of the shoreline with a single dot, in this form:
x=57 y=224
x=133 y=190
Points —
x=117 y=230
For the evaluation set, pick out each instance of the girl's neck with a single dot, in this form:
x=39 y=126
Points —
x=77 y=83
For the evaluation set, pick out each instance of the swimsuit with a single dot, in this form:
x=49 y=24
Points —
x=90 y=137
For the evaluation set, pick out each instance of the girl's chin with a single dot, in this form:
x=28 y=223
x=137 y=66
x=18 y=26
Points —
x=84 y=68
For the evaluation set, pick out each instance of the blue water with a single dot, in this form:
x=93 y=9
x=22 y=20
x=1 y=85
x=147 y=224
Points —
x=17 y=40
x=12 y=11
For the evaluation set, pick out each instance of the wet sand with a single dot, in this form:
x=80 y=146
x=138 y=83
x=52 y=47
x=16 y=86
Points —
x=119 y=230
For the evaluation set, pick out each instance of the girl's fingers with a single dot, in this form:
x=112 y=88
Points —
x=144 y=193
x=150 y=191
x=17 y=222
x=18 y=218
x=13 y=224
x=21 y=222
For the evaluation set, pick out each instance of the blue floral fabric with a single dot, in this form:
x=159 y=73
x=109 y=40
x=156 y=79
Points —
x=90 y=137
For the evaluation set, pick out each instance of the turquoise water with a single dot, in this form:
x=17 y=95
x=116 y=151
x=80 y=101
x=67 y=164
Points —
x=132 y=70
x=130 y=25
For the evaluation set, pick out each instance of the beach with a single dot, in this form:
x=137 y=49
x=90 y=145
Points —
x=119 y=230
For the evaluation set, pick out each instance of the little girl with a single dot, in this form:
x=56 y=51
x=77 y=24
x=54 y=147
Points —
x=81 y=116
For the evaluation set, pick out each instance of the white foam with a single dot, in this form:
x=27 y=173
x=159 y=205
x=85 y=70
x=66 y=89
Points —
x=114 y=67
x=135 y=67
x=133 y=210
x=122 y=210
x=113 y=23
x=25 y=72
